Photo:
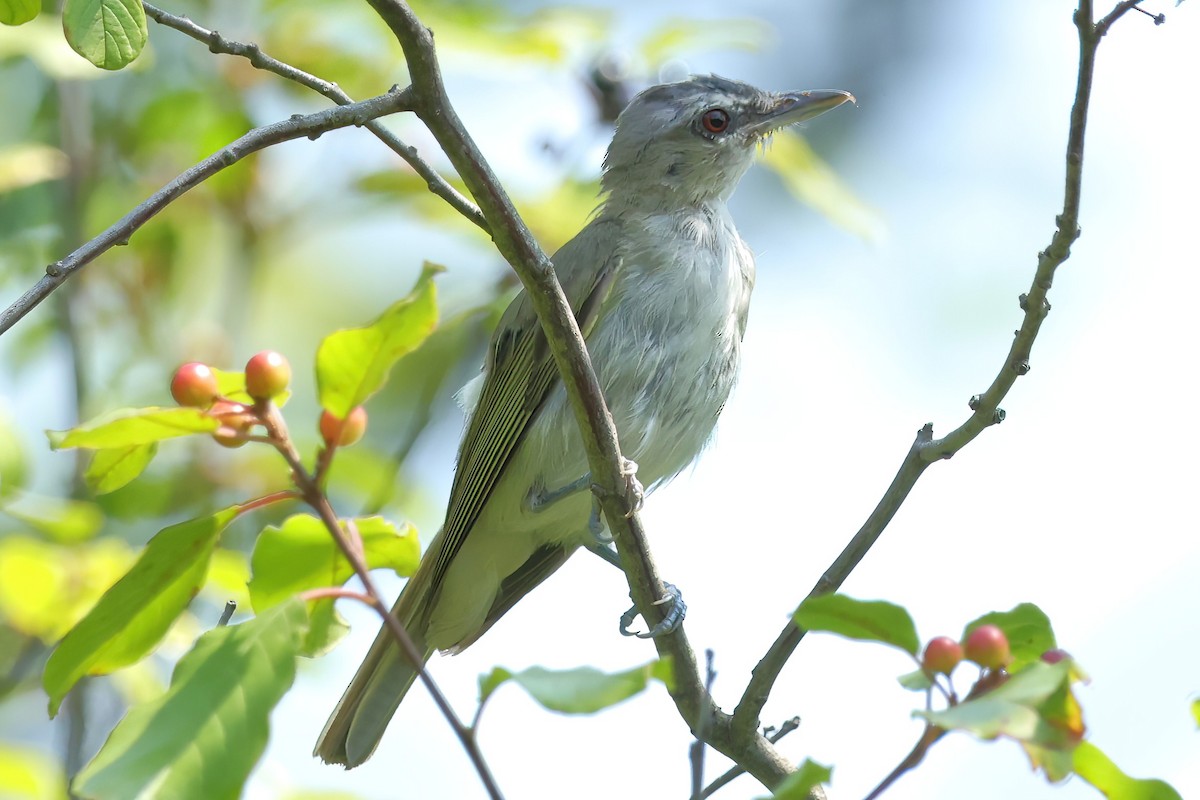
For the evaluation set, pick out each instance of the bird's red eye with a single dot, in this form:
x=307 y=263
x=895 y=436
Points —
x=715 y=120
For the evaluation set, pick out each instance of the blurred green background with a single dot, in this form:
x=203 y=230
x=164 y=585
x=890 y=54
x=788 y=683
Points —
x=887 y=290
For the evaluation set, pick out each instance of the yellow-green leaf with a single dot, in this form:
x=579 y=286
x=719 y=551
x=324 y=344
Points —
x=300 y=555
x=800 y=783
x=132 y=426
x=18 y=12
x=353 y=364
x=1097 y=769
x=114 y=467
x=202 y=737
x=58 y=518
x=583 y=690
x=133 y=616
x=813 y=182
x=108 y=33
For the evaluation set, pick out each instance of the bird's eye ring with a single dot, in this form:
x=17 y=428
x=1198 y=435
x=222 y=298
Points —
x=715 y=120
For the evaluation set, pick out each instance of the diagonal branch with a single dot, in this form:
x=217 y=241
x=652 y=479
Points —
x=986 y=409
x=514 y=241
x=260 y=60
x=298 y=126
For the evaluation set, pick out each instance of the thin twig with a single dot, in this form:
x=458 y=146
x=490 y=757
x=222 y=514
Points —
x=696 y=751
x=260 y=60
x=986 y=407
x=298 y=126
x=315 y=497
x=929 y=737
x=227 y=613
x=773 y=736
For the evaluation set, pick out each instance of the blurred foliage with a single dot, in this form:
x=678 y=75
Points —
x=276 y=251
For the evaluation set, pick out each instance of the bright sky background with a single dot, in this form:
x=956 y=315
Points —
x=1083 y=501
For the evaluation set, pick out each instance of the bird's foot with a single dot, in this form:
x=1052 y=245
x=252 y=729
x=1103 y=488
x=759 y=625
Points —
x=672 y=617
x=596 y=526
x=539 y=497
x=632 y=493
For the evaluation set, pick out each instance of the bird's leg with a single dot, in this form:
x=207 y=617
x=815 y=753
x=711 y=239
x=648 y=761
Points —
x=539 y=498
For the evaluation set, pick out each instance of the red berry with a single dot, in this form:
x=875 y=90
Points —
x=343 y=432
x=988 y=647
x=267 y=375
x=194 y=385
x=942 y=654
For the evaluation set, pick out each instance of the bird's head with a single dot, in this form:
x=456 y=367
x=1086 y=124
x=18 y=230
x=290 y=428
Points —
x=690 y=142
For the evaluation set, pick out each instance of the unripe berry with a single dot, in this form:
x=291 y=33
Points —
x=942 y=654
x=343 y=433
x=194 y=385
x=988 y=647
x=267 y=375
x=236 y=420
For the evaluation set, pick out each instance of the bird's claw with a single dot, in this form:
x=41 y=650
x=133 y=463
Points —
x=672 y=617
x=635 y=495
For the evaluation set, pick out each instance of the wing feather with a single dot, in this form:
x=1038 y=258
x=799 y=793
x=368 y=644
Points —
x=520 y=374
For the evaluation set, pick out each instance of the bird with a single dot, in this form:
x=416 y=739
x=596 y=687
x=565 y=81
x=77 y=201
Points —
x=660 y=283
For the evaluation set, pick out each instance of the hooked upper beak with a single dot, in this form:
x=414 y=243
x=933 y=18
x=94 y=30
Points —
x=793 y=107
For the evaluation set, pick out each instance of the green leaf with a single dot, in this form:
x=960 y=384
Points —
x=1095 y=767
x=300 y=555
x=353 y=364
x=916 y=681
x=1028 y=630
x=1013 y=709
x=1196 y=711
x=133 y=616
x=232 y=386
x=583 y=690
x=800 y=783
x=28 y=164
x=114 y=467
x=811 y=181
x=58 y=518
x=18 y=12
x=132 y=426
x=326 y=627
x=27 y=773
x=865 y=620
x=108 y=33
x=14 y=469
x=202 y=737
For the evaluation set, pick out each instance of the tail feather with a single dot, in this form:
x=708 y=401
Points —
x=385 y=676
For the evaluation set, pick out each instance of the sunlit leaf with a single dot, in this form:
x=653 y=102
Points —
x=865 y=620
x=132 y=426
x=353 y=364
x=584 y=690
x=108 y=33
x=811 y=181
x=14 y=470
x=326 y=627
x=1097 y=769
x=232 y=385
x=1196 y=711
x=1013 y=709
x=916 y=681
x=28 y=164
x=114 y=467
x=1028 y=631
x=59 y=518
x=42 y=42
x=202 y=738
x=300 y=554
x=682 y=34
x=134 y=615
x=30 y=774
x=798 y=785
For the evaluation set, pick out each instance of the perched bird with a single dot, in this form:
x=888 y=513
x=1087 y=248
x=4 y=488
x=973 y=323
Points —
x=660 y=283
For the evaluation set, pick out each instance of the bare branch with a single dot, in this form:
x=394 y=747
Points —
x=298 y=126
x=986 y=407
x=260 y=60
x=514 y=241
x=351 y=547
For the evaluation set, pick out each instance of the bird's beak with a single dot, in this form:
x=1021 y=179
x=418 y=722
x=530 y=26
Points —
x=793 y=107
